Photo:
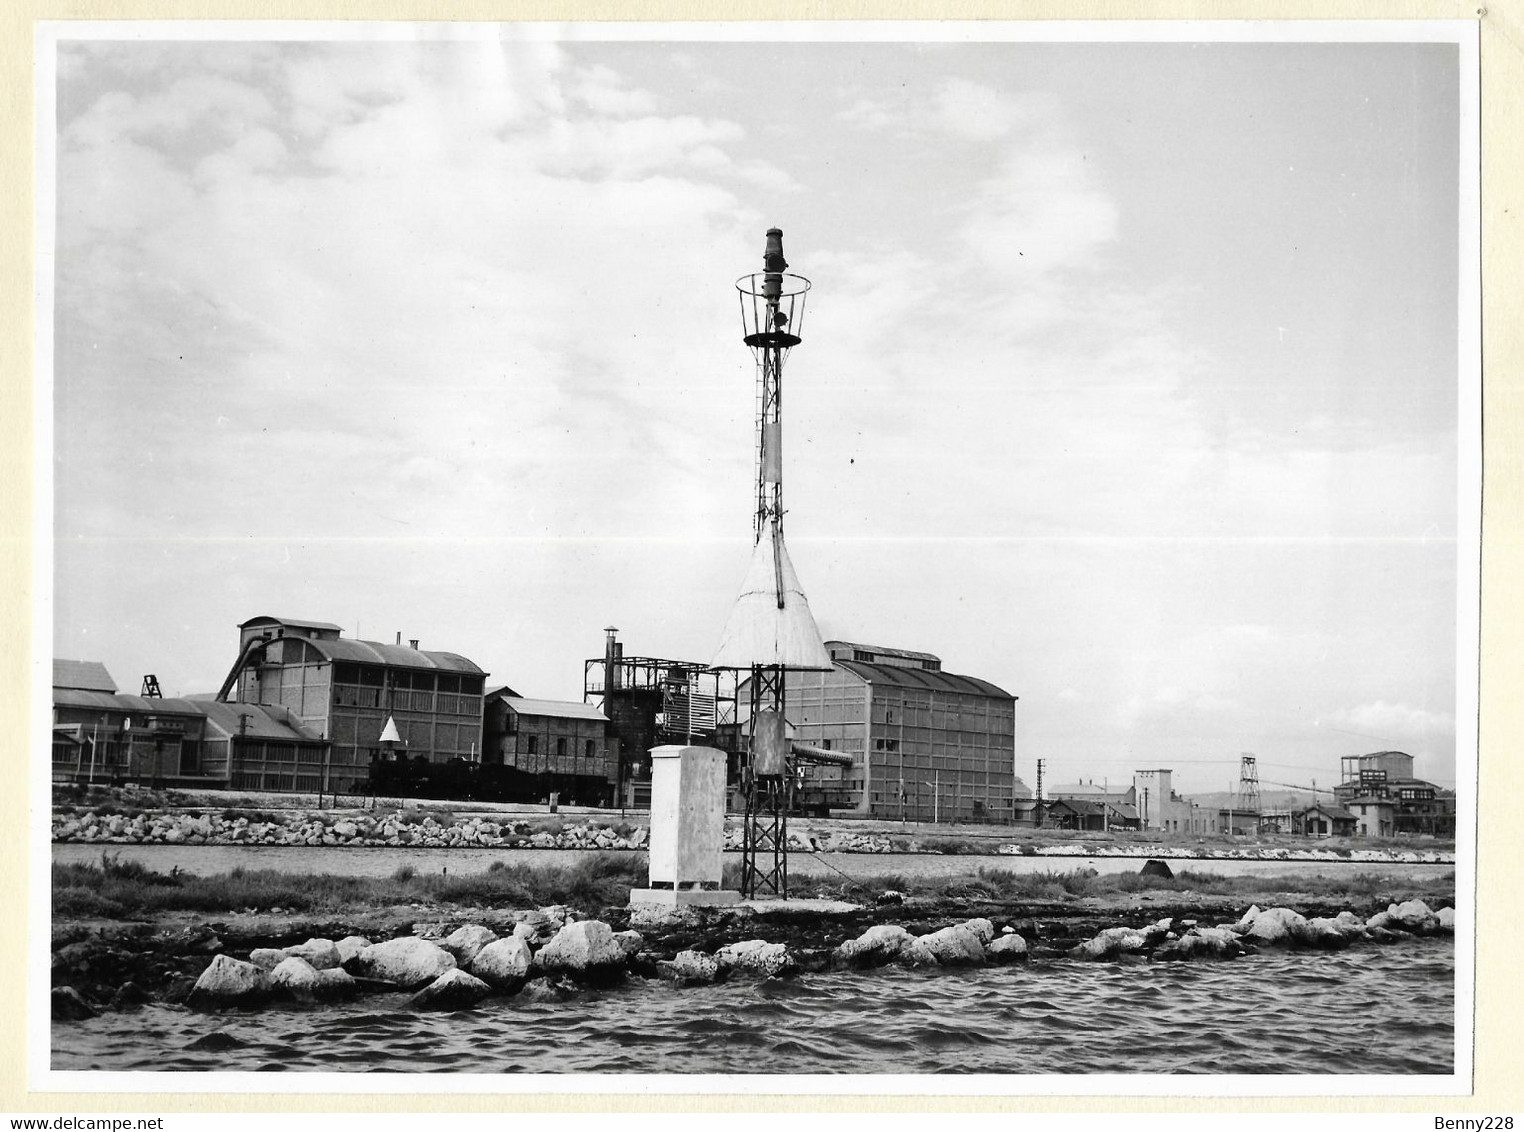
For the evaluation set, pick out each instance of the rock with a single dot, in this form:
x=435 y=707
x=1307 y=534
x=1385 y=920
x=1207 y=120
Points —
x=1199 y=943
x=1007 y=949
x=503 y=962
x=128 y=995
x=1327 y=933
x=1247 y=919
x=880 y=944
x=955 y=946
x=1157 y=868
x=584 y=948
x=548 y=990
x=334 y=983
x=350 y=946
x=916 y=954
x=1110 y=942
x=690 y=967
x=266 y=958
x=1445 y=919
x=756 y=955
x=629 y=943
x=230 y=982
x=889 y=896
x=407 y=961
x=1278 y=926
x=454 y=990
x=465 y=942
x=295 y=978
x=70 y=1006
x=983 y=930
x=1413 y=916
x=322 y=954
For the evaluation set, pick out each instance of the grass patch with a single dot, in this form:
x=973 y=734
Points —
x=127 y=890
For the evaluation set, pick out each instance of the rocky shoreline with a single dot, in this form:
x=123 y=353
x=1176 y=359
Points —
x=555 y=954
x=420 y=829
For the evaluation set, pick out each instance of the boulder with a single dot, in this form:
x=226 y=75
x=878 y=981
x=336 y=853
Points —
x=1413 y=916
x=586 y=947
x=295 y=978
x=266 y=958
x=1445 y=919
x=557 y=989
x=880 y=944
x=756 y=955
x=690 y=967
x=1202 y=943
x=1007 y=949
x=465 y=942
x=453 y=990
x=503 y=962
x=350 y=946
x=1246 y=919
x=629 y=943
x=1327 y=933
x=70 y=1006
x=916 y=954
x=1278 y=927
x=407 y=961
x=334 y=983
x=983 y=930
x=955 y=946
x=1110 y=942
x=230 y=982
x=323 y=954
x=1157 y=868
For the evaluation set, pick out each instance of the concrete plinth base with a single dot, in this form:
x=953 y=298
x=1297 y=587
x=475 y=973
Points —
x=684 y=897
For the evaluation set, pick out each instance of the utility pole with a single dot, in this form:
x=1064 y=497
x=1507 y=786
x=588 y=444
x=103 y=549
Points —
x=1041 y=764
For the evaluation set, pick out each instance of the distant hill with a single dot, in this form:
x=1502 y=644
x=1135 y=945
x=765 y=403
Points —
x=1268 y=799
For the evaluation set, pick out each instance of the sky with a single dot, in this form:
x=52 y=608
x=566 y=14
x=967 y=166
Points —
x=1129 y=377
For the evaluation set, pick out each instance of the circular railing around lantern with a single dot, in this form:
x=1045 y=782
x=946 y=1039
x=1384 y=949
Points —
x=772 y=309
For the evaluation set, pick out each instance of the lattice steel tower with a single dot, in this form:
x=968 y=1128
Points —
x=770 y=629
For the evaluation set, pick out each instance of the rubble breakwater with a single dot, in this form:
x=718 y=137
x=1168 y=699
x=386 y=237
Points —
x=905 y=987
x=553 y=954
x=414 y=829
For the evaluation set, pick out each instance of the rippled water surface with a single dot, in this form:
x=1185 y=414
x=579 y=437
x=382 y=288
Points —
x=1368 y=1010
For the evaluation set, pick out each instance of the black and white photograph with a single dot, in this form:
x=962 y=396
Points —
x=930 y=556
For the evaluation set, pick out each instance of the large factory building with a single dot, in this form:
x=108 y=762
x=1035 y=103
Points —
x=926 y=745
x=345 y=691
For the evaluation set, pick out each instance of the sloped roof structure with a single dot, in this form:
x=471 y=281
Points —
x=896 y=676
x=87 y=675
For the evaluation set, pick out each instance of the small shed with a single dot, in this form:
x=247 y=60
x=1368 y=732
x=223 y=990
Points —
x=1324 y=820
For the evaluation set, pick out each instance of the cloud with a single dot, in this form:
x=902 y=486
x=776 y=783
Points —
x=1394 y=723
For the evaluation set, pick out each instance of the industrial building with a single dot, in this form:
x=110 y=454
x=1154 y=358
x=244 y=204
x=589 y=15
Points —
x=100 y=735
x=547 y=747
x=345 y=690
x=1379 y=792
x=650 y=702
x=926 y=745
x=1148 y=802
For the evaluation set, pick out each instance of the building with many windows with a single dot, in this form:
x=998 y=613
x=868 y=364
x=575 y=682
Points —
x=102 y=736
x=344 y=691
x=925 y=744
x=552 y=746
x=1380 y=791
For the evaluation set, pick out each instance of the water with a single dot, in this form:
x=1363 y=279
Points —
x=1371 y=1010
x=382 y=861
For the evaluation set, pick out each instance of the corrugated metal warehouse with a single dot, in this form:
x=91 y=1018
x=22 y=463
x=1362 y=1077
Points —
x=926 y=744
